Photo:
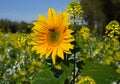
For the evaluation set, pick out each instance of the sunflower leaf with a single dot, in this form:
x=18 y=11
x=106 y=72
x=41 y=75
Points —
x=45 y=76
x=67 y=71
x=102 y=74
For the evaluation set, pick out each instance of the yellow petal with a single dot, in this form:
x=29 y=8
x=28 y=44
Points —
x=69 y=31
x=34 y=48
x=54 y=55
x=68 y=39
x=49 y=52
x=66 y=16
x=67 y=46
x=52 y=16
x=41 y=18
x=39 y=29
x=60 y=53
x=68 y=52
x=37 y=48
x=42 y=49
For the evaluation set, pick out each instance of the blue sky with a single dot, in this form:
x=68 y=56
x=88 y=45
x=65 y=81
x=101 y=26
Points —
x=28 y=10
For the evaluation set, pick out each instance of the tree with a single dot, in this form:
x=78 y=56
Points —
x=100 y=13
x=5 y=25
x=111 y=10
x=10 y=26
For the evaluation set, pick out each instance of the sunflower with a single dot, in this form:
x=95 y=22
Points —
x=52 y=36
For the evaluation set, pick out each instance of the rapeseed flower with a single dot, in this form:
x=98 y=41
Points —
x=86 y=80
x=22 y=39
x=113 y=29
x=74 y=8
x=84 y=32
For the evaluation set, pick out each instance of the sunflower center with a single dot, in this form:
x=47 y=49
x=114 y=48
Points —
x=54 y=35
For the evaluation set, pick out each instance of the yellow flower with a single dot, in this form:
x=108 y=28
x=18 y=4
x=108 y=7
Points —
x=74 y=8
x=108 y=60
x=22 y=72
x=8 y=61
x=24 y=79
x=31 y=69
x=86 y=80
x=58 y=67
x=51 y=35
x=15 y=76
x=118 y=70
x=85 y=32
x=117 y=56
x=22 y=38
x=113 y=29
x=39 y=64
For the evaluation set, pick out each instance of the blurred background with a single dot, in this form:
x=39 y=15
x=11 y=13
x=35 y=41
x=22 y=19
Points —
x=18 y=15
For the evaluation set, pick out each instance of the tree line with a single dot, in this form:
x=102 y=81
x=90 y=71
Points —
x=14 y=27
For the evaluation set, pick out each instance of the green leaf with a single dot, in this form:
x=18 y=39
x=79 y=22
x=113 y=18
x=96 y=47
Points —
x=45 y=73
x=102 y=74
x=67 y=72
x=45 y=81
x=45 y=76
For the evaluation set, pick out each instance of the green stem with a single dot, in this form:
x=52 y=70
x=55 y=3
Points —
x=74 y=66
x=74 y=76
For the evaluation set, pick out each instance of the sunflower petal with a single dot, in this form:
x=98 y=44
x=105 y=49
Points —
x=68 y=52
x=54 y=55
x=42 y=18
x=60 y=53
x=52 y=17
x=67 y=46
x=49 y=52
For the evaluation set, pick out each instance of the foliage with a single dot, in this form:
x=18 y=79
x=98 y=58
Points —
x=12 y=26
x=17 y=63
x=45 y=76
x=100 y=73
x=98 y=13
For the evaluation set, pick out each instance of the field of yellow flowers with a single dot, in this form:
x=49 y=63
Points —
x=58 y=53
